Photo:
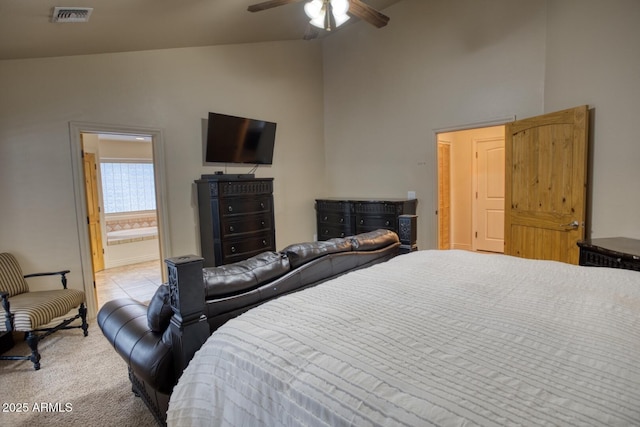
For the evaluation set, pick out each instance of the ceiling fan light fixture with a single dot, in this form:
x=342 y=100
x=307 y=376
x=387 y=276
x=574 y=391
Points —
x=340 y=7
x=314 y=9
x=340 y=19
x=318 y=22
x=317 y=11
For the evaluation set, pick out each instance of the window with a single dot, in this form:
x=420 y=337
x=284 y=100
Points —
x=127 y=187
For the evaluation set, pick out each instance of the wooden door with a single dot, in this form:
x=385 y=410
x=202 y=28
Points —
x=545 y=185
x=444 y=195
x=93 y=211
x=489 y=197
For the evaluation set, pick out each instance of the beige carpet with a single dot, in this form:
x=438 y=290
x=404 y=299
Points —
x=84 y=379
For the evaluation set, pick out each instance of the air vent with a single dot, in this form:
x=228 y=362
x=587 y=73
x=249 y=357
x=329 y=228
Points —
x=71 y=14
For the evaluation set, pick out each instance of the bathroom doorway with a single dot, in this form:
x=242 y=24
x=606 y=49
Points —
x=122 y=215
x=79 y=131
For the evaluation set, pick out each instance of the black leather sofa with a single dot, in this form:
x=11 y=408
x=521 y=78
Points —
x=157 y=341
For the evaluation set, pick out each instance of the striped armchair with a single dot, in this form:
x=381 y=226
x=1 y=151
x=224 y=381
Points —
x=31 y=312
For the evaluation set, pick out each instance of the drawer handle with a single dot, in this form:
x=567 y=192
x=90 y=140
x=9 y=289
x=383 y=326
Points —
x=325 y=232
x=325 y=218
x=387 y=222
x=341 y=220
x=231 y=228
x=233 y=249
x=230 y=208
x=264 y=243
x=262 y=223
x=361 y=221
x=261 y=205
x=342 y=234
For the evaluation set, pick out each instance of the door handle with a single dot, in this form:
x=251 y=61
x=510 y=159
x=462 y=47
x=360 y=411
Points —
x=572 y=224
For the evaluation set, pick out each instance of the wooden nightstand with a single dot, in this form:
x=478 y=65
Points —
x=615 y=252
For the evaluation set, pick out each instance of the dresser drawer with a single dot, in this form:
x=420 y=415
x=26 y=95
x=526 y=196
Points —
x=334 y=206
x=245 y=205
x=334 y=218
x=368 y=223
x=234 y=226
x=326 y=232
x=239 y=249
x=242 y=188
x=378 y=209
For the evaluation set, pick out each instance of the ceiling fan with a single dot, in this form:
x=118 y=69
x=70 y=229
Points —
x=329 y=14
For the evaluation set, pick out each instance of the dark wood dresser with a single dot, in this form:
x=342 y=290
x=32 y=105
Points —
x=338 y=217
x=615 y=252
x=236 y=218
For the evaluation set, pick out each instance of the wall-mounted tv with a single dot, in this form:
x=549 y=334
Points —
x=232 y=139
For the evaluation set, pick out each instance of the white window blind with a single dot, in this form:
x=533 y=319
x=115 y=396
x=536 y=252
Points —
x=127 y=187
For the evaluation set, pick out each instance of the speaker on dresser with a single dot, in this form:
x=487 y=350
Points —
x=407 y=232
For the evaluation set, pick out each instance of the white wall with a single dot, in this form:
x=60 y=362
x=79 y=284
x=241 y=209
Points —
x=171 y=90
x=438 y=64
x=593 y=58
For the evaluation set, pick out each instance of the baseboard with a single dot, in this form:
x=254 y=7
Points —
x=463 y=246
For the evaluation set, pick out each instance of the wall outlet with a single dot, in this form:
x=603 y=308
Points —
x=411 y=195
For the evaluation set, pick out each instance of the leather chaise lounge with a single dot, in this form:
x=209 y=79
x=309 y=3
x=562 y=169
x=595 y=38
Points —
x=158 y=341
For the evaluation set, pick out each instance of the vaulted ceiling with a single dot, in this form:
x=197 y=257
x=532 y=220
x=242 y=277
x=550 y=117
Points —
x=26 y=30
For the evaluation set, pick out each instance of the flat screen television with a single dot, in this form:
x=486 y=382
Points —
x=232 y=139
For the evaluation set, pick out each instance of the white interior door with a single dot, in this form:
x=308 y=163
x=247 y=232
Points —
x=489 y=197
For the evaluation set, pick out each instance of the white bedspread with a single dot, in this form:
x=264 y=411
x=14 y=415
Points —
x=432 y=338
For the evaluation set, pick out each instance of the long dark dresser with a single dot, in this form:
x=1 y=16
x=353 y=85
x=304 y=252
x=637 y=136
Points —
x=338 y=217
x=615 y=252
x=236 y=217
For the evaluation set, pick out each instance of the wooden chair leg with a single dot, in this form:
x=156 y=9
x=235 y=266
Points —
x=83 y=315
x=32 y=342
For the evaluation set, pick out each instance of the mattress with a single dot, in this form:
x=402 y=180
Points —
x=430 y=338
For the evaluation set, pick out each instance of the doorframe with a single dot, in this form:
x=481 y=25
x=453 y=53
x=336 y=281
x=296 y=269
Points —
x=157 y=141
x=499 y=121
x=447 y=177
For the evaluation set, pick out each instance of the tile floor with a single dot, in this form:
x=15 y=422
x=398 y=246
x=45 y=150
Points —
x=137 y=281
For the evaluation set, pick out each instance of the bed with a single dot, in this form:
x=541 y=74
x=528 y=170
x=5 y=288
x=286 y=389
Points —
x=431 y=338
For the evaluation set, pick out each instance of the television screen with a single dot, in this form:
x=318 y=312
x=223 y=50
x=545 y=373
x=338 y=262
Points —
x=232 y=139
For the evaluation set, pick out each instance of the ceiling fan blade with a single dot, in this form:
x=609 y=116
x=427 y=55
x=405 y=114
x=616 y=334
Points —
x=367 y=13
x=311 y=33
x=269 y=4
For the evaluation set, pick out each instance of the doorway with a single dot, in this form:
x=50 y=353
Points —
x=122 y=216
x=107 y=239
x=471 y=189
